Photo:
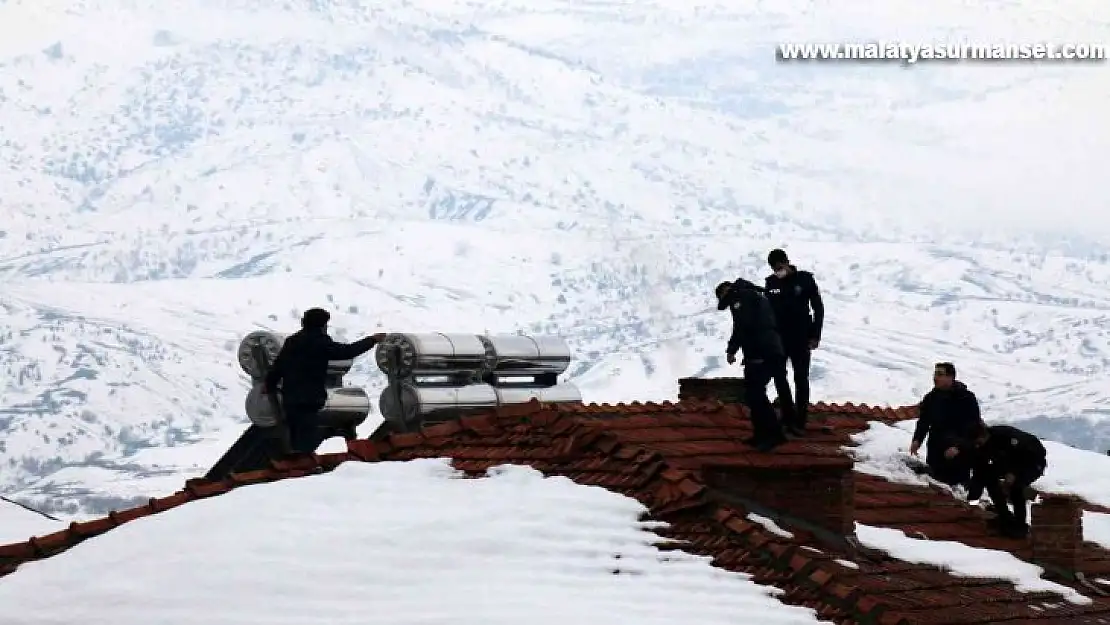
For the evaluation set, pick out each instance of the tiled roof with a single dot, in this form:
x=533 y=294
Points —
x=666 y=455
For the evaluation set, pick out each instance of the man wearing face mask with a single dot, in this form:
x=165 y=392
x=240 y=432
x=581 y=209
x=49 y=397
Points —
x=792 y=294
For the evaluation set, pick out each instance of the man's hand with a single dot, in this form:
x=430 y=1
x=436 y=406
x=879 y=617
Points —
x=730 y=359
x=814 y=343
x=914 y=446
x=951 y=452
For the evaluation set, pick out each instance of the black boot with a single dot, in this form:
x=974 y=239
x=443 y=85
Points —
x=767 y=443
x=1015 y=529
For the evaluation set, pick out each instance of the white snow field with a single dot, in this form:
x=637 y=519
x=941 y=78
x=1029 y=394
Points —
x=175 y=174
x=406 y=543
x=18 y=523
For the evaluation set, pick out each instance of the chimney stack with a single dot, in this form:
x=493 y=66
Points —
x=724 y=390
x=1057 y=532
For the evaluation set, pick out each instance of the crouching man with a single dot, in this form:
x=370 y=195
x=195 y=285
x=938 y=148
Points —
x=948 y=416
x=1006 y=463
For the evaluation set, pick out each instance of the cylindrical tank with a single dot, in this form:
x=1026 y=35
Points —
x=258 y=407
x=344 y=406
x=520 y=355
x=433 y=354
x=418 y=402
x=349 y=405
x=561 y=393
x=271 y=343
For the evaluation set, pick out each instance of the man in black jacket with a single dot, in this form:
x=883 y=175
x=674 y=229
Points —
x=1006 y=463
x=753 y=332
x=948 y=415
x=301 y=368
x=792 y=294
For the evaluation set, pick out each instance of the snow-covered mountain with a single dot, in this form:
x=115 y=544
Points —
x=176 y=174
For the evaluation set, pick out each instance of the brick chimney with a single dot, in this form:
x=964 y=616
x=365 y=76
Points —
x=725 y=390
x=818 y=491
x=1057 y=532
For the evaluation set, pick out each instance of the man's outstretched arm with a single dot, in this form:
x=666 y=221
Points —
x=348 y=351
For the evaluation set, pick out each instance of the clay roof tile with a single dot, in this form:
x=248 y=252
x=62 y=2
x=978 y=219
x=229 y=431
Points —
x=168 y=503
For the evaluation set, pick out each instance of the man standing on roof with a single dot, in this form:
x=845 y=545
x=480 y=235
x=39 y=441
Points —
x=1006 y=463
x=753 y=331
x=949 y=416
x=301 y=368
x=793 y=293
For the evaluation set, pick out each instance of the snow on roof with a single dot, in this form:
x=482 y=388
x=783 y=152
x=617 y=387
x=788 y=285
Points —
x=751 y=513
x=397 y=542
x=882 y=451
x=964 y=560
x=18 y=523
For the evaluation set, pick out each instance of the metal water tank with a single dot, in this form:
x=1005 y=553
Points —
x=522 y=355
x=433 y=354
x=558 y=394
x=270 y=342
x=344 y=406
x=419 y=402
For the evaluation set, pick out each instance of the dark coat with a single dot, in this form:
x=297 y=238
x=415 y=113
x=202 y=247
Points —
x=301 y=367
x=753 y=323
x=1008 y=450
x=792 y=298
x=948 y=417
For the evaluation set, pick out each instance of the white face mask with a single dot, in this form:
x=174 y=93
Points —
x=782 y=272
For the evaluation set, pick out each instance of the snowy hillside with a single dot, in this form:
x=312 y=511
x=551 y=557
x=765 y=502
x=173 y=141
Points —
x=176 y=174
x=513 y=548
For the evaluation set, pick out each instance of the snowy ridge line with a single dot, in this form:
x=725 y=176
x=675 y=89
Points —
x=663 y=455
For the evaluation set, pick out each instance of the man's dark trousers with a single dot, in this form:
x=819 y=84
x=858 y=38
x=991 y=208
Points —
x=1014 y=495
x=953 y=472
x=765 y=425
x=795 y=411
x=303 y=427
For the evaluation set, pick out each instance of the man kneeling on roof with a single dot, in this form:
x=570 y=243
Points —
x=1006 y=462
x=948 y=415
x=754 y=332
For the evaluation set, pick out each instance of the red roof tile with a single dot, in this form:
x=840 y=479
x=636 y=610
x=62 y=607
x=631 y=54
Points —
x=663 y=455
